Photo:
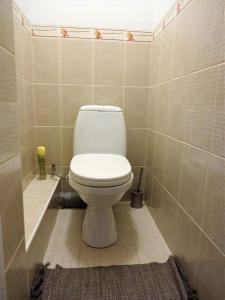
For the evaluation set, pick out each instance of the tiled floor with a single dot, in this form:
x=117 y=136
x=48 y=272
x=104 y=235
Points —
x=139 y=240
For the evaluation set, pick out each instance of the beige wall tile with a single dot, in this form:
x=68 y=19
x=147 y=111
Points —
x=50 y=137
x=214 y=206
x=148 y=187
x=222 y=45
x=108 y=63
x=136 y=107
x=18 y=47
x=210 y=280
x=47 y=104
x=164 y=211
x=152 y=108
x=16 y=276
x=200 y=108
x=27 y=54
x=164 y=96
x=31 y=155
x=137 y=64
x=187 y=244
x=8 y=130
x=45 y=60
x=218 y=130
x=184 y=27
x=29 y=104
x=27 y=152
x=24 y=153
x=169 y=221
x=158 y=195
x=154 y=62
x=193 y=179
x=72 y=98
x=67 y=142
x=11 y=206
x=108 y=95
x=76 y=60
x=178 y=107
x=21 y=104
x=159 y=156
x=208 y=21
x=136 y=146
x=150 y=150
x=7 y=77
x=166 y=53
x=6 y=25
x=172 y=166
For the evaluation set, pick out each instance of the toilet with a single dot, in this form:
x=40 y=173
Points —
x=99 y=170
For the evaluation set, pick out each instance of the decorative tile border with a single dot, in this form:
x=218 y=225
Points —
x=20 y=17
x=91 y=33
x=100 y=33
x=109 y=34
x=75 y=32
x=170 y=16
x=45 y=31
x=139 y=36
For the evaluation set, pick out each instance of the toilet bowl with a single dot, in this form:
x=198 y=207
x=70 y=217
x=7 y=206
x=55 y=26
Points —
x=99 y=170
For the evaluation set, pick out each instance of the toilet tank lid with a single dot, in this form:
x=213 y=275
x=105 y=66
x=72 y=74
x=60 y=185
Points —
x=100 y=108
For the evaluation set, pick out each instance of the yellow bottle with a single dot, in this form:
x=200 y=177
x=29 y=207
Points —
x=41 y=153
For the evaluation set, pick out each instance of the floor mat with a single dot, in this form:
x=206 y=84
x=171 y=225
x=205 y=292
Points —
x=154 y=281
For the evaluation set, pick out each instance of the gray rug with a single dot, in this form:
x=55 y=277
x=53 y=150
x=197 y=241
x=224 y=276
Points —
x=153 y=281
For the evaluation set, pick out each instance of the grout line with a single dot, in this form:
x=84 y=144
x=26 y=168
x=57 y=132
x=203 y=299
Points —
x=14 y=255
x=60 y=104
x=187 y=74
x=95 y=85
x=92 y=71
x=124 y=73
x=185 y=143
x=7 y=51
x=208 y=157
x=10 y=157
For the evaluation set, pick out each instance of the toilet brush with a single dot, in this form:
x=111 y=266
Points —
x=137 y=194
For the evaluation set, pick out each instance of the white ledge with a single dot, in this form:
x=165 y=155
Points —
x=36 y=199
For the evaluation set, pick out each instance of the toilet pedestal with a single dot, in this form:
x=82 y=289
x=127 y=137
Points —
x=99 y=227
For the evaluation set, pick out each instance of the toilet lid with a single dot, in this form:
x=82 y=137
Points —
x=100 y=169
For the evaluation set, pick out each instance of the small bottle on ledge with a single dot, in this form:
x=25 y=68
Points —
x=41 y=152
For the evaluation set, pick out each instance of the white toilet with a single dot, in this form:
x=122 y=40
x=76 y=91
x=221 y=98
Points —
x=99 y=170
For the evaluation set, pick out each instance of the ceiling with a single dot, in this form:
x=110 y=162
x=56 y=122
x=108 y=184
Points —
x=118 y=14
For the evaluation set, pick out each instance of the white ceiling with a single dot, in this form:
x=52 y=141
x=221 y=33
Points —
x=122 y=14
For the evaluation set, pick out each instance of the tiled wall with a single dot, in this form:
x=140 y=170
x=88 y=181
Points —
x=186 y=142
x=70 y=72
x=24 y=79
x=11 y=207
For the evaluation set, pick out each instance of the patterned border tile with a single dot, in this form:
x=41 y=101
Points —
x=45 y=31
x=21 y=17
x=99 y=33
x=109 y=34
x=75 y=32
x=139 y=36
x=170 y=16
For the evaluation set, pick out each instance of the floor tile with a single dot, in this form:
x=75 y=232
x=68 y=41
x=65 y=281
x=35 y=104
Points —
x=139 y=240
x=67 y=256
x=114 y=255
x=154 y=253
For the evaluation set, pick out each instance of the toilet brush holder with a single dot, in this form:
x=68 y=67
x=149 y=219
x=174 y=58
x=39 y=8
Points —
x=137 y=198
x=137 y=194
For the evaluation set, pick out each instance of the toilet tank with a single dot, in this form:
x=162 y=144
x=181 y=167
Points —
x=100 y=129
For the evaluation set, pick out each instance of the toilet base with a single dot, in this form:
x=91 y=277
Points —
x=99 y=227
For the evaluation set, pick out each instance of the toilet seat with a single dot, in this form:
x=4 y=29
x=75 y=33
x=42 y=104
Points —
x=100 y=170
